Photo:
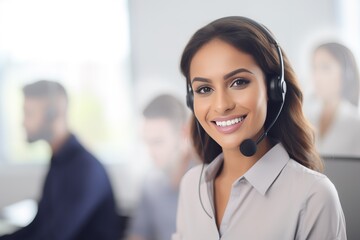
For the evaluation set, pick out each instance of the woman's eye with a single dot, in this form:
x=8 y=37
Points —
x=203 y=90
x=239 y=82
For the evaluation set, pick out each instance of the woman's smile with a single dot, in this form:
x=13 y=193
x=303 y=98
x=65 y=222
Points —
x=228 y=125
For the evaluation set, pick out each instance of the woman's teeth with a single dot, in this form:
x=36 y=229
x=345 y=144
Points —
x=229 y=122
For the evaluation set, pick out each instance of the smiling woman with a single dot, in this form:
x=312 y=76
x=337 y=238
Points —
x=236 y=81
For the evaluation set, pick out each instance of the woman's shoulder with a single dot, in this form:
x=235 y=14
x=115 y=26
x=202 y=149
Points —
x=311 y=181
x=320 y=202
x=191 y=178
x=321 y=214
x=193 y=173
x=302 y=173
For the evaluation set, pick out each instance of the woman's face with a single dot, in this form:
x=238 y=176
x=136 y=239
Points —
x=327 y=75
x=230 y=97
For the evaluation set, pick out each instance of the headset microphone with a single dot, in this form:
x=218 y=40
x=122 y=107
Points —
x=248 y=147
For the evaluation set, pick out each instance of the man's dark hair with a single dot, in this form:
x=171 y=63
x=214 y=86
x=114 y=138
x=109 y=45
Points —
x=44 y=89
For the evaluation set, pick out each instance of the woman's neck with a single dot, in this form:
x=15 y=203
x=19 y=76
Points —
x=236 y=164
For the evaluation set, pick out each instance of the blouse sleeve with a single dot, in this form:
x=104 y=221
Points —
x=322 y=216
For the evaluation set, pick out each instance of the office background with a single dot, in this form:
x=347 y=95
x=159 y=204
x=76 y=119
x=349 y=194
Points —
x=115 y=55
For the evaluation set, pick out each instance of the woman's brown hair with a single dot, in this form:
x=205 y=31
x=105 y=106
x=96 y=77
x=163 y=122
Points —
x=291 y=128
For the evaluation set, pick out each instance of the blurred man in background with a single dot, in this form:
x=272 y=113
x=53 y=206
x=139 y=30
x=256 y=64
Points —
x=165 y=132
x=77 y=200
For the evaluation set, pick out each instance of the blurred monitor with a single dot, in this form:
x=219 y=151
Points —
x=344 y=172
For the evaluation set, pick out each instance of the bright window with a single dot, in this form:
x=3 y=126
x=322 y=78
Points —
x=83 y=44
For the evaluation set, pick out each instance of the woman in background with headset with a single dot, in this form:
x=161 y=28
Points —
x=261 y=179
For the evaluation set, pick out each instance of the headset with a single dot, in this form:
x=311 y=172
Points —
x=276 y=91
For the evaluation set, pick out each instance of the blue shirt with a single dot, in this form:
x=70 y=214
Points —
x=77 y=200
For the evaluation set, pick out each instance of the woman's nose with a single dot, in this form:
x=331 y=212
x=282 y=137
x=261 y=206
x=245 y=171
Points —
x=223 y=102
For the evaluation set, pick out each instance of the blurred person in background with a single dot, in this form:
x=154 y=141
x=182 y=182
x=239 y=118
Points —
x=165 y=133
x=334 y=111
x=77 y=201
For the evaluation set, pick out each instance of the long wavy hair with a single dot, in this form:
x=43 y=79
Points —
x=291 y=128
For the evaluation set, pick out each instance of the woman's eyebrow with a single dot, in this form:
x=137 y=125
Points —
x=228 y=75
x=232 y=73
x=200 y=79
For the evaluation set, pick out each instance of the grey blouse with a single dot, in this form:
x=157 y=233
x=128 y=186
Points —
x=276 y=199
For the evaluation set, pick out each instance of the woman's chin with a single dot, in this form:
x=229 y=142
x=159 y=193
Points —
x=230 y=146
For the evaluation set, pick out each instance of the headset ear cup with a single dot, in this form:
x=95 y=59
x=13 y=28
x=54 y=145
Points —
x=275 y=90
x=190 y=101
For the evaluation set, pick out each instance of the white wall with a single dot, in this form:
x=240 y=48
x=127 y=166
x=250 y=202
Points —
x=160 y=29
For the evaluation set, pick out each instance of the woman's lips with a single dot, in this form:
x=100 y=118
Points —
x=229 y=125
